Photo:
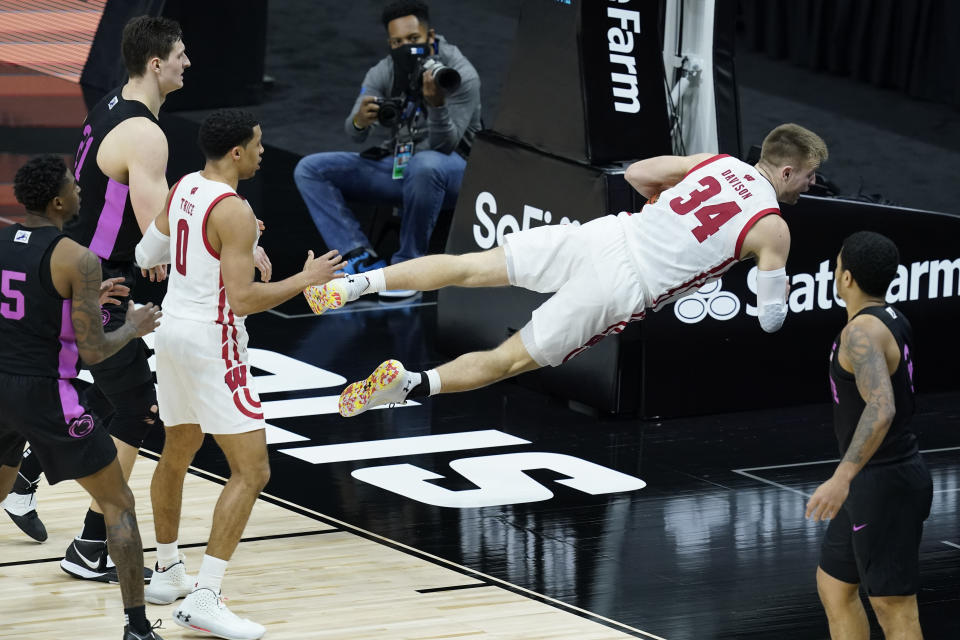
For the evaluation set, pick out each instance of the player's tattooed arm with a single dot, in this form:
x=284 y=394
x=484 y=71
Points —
x=862 y=350
x=92 y=343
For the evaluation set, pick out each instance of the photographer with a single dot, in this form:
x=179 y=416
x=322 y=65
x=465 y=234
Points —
x=424 y=98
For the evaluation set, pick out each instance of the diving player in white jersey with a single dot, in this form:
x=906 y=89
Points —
x=712 y=211
x=209 y=233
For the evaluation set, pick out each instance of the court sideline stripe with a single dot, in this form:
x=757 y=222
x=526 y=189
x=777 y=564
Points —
x=192 y=545
x=456 y=587
x=437 y=560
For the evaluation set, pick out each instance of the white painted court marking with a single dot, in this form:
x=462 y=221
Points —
x=463 y=569
x=951 y=544
x=393 y=447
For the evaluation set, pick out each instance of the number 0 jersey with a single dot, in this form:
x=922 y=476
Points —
x=195 y=288
x=693 y=233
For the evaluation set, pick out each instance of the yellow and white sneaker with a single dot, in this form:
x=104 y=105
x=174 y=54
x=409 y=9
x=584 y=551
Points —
x=389 y=384
x=336 y=293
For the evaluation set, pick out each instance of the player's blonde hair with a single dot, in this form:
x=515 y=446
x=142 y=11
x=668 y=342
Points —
x=791 y=144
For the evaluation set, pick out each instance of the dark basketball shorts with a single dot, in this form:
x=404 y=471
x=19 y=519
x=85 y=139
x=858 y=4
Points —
x=128 y=367
x=67 y=439
x=875 y=538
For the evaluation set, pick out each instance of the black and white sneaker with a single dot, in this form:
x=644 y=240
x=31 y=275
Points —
x=89 y=560
x=130 y=634
x=21 y=506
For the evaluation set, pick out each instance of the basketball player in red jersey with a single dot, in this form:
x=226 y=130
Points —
x=712 y=212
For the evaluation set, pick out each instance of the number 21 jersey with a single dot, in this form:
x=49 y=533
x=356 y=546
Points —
x=693 y=233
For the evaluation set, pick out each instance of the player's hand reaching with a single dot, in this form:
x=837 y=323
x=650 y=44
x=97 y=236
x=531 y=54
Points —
x=323 y=269
x=828 y=499
x=111 y=291
x=143 y=319
x=156 y=274
x=264 y=266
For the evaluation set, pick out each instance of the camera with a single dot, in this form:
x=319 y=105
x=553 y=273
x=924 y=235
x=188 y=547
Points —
x=391 y=111
x=446 y=77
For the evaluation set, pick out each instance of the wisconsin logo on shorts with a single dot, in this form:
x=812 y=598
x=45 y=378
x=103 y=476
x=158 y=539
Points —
x=81 y=426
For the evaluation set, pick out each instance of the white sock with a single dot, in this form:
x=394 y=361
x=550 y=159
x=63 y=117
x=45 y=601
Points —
x=211 y=573
x=167 y=554
x=378 y=282
x=434 y=379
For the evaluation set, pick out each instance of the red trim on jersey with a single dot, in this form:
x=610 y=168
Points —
x=203 y=227
x=700 y=276
x=746 y=228
x=719 y=156
x=253 y=403
x=172 y=193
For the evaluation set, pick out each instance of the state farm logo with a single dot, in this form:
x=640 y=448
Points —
x=708 y=300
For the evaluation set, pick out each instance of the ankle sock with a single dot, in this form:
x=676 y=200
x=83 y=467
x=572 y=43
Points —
x=94 y=527
x=211 y=573
x=136 y=617
x=378 y=281
x=167 y=554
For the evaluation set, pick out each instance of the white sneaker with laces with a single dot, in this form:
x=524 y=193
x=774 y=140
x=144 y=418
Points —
x=203 y=610
x=169 y=584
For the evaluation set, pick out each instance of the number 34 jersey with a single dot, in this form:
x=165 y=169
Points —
x=195 y=289
x=693 y=233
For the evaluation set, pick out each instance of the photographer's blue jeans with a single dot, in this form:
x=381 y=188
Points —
x=327 y=181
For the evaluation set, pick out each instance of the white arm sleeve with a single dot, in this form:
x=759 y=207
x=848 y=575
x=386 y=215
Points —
x=153 y=248
x=772 y=299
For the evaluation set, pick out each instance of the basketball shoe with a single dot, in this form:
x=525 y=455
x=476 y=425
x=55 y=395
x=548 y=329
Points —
x=130 y=634
x=21 y=506
x=90 y=560
x=203 y=610
x=336 y=293
x=169 y=584
x=389 y=384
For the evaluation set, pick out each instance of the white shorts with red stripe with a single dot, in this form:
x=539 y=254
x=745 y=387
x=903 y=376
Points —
x=203 y=377
x=597 y=289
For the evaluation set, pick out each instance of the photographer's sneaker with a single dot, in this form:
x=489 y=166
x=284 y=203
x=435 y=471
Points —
x=169 y=584
x=389 y=384
x=21 y=506
x=89 y=560
x=336 y=293
x=203 y=610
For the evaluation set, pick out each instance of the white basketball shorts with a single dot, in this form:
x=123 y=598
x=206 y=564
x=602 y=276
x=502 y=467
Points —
x=203 y=377
x=597 y=287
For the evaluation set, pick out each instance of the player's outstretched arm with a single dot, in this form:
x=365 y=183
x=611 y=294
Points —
x=651 y=176
x=233 y=222
x=769 y=242
x=76 y=275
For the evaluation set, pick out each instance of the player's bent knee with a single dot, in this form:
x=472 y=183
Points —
x=136 y=414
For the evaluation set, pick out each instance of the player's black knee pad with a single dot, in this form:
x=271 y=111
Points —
x=135 y=414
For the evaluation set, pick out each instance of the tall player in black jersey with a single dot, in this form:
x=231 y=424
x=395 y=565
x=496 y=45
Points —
x=881 y=491
x=121 y=168
x=49 y=318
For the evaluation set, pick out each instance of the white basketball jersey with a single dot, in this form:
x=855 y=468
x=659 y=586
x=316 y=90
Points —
x=195 y=288
x=693 y=233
